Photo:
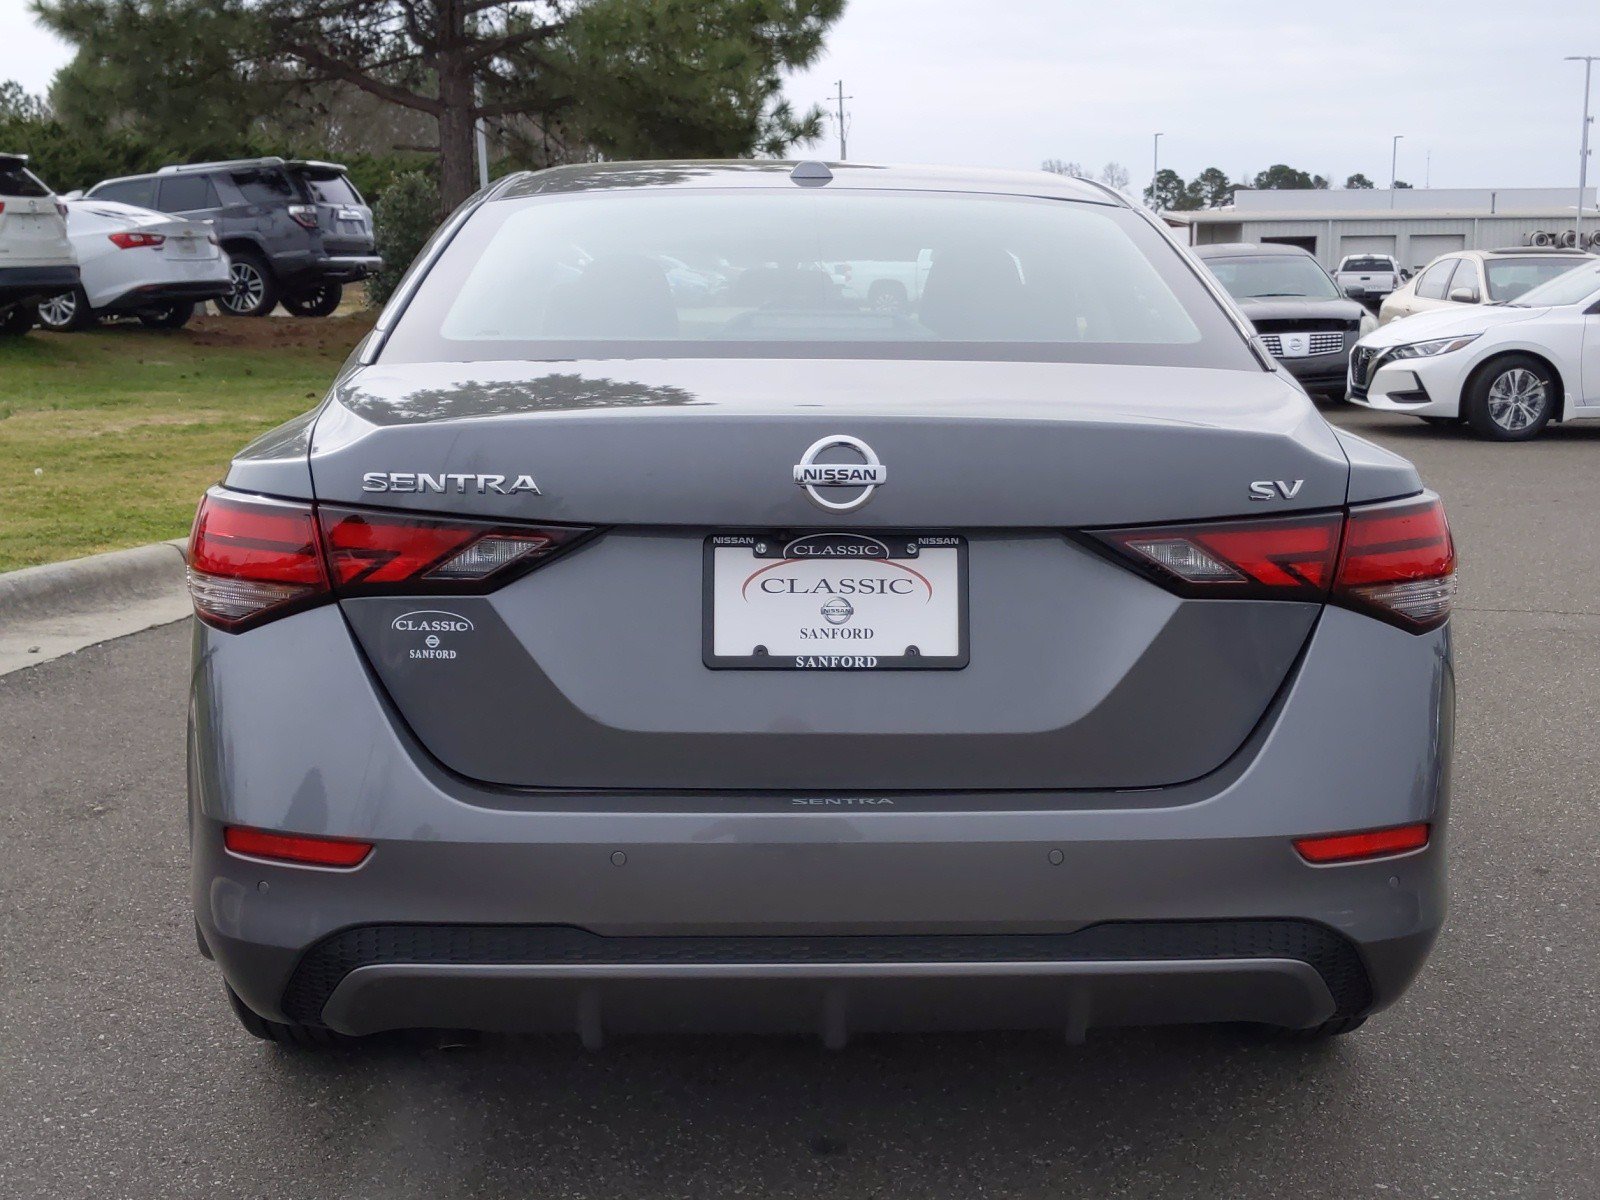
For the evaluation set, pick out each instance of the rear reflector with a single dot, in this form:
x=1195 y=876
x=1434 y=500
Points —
x=252 y=559
x=1394 y=561
x=288 y=847
x=1354 y=847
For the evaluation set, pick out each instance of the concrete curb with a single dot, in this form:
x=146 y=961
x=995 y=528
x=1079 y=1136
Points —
x=58 y=608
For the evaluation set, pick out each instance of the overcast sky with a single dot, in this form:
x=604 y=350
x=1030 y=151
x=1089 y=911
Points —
x=1238 y=84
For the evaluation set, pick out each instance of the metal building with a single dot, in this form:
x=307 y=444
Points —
x=1415 y=225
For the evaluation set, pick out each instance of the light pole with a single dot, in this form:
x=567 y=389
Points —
x=1394 y=165
x=1155 y=174
x=1588 y=61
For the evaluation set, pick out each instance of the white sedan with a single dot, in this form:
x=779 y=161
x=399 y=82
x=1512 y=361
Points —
x=1506 y=370
x=137 y=263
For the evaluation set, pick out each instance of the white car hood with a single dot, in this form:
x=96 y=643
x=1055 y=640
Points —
x=1427 y=326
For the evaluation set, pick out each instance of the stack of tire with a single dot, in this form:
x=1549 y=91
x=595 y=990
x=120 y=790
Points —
x=1565 y=239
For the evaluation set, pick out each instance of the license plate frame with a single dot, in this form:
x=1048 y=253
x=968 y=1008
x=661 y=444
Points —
x=943 y=557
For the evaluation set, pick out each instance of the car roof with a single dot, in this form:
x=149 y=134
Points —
x=1528 y=252
x=1250 y=249
x=774 y=173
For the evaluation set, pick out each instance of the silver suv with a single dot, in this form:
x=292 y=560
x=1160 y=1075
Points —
x=296 y=231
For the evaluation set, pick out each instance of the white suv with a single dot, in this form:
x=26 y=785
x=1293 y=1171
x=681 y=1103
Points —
x=36 y=259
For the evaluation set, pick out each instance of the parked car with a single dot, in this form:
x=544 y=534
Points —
x=137 y=263
x=1507 y=370
x=36 y=256
x=1303 y=319
x=1369 y=277
x=1466 y=277
x=598 y=657
x=294 y=231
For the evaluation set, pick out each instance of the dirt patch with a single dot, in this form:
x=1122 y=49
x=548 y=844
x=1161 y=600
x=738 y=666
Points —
x=318 y=334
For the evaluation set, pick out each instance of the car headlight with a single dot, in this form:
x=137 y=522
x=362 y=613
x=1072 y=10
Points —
x=1433 y=348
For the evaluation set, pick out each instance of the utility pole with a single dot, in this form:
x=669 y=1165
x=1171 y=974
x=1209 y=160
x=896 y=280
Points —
x=1588 y=61
x=1427 y=172
x=840 y=98
x=482 y=131
x=1155 y=174
x=1394 y=165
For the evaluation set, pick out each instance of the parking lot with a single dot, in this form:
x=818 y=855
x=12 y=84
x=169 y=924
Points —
x=123 y=1073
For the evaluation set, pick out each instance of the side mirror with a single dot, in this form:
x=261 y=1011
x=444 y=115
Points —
x=1464 y=295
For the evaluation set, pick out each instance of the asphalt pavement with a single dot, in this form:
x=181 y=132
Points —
x=123 y=1074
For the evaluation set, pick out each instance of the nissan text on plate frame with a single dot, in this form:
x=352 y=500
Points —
x=825 y=598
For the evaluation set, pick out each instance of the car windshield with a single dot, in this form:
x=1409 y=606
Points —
x=1573 y=286
x=1273 y=275
x=1367 y=264
x=334 y=190
x=1511 y=278
x=768 y=273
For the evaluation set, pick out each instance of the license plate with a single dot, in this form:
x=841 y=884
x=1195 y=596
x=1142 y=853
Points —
x=835 y=602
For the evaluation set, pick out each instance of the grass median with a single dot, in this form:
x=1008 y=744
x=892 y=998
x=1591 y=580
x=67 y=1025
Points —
x=108 y=438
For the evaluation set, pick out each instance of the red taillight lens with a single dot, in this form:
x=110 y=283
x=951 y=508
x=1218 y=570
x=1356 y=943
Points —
x=1354 y=847
x=250 y=558
x=136 y=241
x=376 y=551
x=1289 y=558
x=1394 y=561
x=304 y=215
x=288 y=847
x=1399 y=562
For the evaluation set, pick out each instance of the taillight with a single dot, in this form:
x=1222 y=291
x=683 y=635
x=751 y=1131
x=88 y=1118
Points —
x=252 y=559
x=1399 y=562
x=136 y=241
x=295 y=848
x=1288 y=558
x=1394 y=561
x=304 y=215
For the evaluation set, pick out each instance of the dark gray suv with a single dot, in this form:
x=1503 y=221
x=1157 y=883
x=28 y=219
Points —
x=296 y=231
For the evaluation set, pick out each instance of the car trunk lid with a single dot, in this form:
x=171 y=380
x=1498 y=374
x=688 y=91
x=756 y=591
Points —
x=596 y=671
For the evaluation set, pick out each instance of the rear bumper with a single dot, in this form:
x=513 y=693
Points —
x=343 y=268
x=496 y=909
x=174 y=292
x=19 y=284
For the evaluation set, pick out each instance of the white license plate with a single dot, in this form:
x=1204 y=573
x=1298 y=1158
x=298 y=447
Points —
x=835 y=602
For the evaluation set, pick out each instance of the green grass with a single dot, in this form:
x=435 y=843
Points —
x=108 y=438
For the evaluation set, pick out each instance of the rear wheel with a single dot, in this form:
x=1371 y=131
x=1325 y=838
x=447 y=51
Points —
x=170 y=316
x=17 y=320
x=255 y=291
x=320 y=300
x=1510 y=399
x=305 y=1037
x=66 y=313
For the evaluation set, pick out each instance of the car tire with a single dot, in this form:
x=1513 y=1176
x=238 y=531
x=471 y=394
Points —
x=887 y=296
x=318 y=301
x=172 y=316
x=255 y=289
x=67 y=313
x=300 y=1037
x=1510 y=399
x=17 y=320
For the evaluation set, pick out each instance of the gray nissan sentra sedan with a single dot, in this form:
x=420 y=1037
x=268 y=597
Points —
x=758 y=596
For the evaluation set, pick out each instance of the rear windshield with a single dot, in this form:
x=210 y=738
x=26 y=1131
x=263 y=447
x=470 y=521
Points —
x=19 y=181
x=1573 y=286
x=337 y=190
x=1368 y=264
x=759 y=273
x=1509 y=278
x=271 y=188
x=1273 y=275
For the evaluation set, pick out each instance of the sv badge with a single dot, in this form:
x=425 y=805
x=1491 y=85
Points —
x=1273 y=489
